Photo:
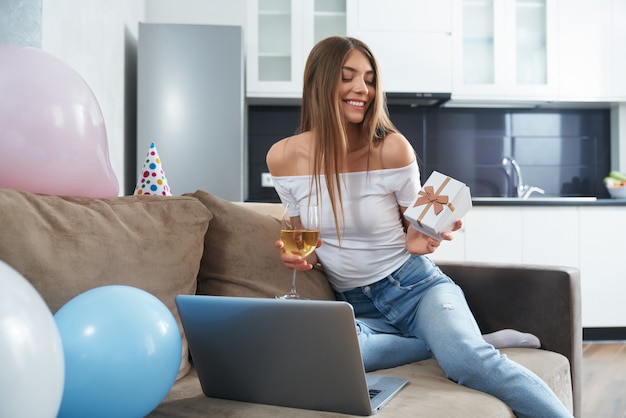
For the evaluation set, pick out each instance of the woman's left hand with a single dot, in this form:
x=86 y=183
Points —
x=418 y=243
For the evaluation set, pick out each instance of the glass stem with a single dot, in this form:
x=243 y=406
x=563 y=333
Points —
x=293 y=282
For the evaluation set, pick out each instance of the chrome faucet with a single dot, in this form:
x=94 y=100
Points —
x=523 y=191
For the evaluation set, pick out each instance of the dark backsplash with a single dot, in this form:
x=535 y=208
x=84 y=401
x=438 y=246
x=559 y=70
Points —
x=564 y=152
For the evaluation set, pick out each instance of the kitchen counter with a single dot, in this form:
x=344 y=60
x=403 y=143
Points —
x=546 y=201
x=533 y=201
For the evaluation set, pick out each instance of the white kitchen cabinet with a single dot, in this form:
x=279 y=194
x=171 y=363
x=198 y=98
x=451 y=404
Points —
x=494 y=234
x=280 y=35
x=585 y=49
x=505 y=50
x=550 y=235
x=529 y=235
x=401 y=15
x=591 y=238
x=411 y=39
x=602 y=237
x=592 y=50
x=618 y=42
x=489 y=234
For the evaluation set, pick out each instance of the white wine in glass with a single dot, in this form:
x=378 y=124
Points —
x=299 y=233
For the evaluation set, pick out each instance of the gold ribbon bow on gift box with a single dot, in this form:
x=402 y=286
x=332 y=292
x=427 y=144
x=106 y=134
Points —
x=433 y=199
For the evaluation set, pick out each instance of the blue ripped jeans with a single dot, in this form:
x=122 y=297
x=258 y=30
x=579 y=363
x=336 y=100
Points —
x=417 y=312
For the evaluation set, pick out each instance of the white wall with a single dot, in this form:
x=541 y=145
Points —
x=91 y=37
x=20 y=23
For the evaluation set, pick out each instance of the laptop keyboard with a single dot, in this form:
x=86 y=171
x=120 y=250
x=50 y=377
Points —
x=374 y=392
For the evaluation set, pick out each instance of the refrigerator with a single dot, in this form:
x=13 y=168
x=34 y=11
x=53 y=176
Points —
x=190 y=104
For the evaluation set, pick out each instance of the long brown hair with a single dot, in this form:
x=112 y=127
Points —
x=321 y=114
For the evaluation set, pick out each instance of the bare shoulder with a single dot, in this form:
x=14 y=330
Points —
x=396 y=151
x=277 y=156
x=283 y=158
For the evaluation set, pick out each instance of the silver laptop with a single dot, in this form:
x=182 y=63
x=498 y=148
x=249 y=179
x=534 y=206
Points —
x=300 y=354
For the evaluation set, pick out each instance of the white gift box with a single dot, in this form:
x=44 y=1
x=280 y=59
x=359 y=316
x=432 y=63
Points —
x=441 y=202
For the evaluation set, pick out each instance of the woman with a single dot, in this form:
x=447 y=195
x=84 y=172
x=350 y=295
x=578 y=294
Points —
x=350 y=159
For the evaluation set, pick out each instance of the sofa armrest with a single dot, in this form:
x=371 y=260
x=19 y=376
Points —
x=543 y=300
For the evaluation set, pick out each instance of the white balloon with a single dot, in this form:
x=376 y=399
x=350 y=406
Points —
x=32 y=366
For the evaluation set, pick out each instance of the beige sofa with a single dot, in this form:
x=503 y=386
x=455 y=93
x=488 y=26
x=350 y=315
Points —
x=201 y=244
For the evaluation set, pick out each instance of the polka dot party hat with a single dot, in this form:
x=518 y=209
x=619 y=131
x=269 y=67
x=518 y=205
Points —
x=152 y=180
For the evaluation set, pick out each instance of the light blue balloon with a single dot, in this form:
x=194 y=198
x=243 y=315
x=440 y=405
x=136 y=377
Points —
x=122 y=351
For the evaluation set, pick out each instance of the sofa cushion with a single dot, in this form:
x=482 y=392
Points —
x=428 y=394
x=67 y=245
x=240 y=258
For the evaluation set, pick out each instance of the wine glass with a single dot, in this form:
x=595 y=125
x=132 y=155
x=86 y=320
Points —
x=299 y=232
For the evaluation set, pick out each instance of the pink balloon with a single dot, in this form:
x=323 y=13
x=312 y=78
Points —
x=52 y=134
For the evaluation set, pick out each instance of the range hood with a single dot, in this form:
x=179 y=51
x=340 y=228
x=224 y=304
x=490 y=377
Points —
x=418 y=99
